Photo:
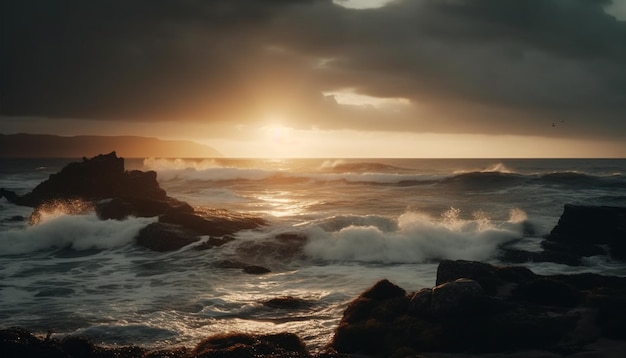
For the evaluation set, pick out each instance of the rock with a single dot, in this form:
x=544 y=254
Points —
x=165 y=237
x=103 y=177
x=456 y=297
x=519 y=311
x=382 y=290
x=113 y=208
x=449 y=270
x=521 y=256
x=215 y=242
x=17 y=343
x=102 y=185
x=256 y=270
x=225 y=223
x=368 y=321
x=420 y=303
x=287 y=302
x=549 y=292
x=584 y=226
x=245 y=345
x=582 y=231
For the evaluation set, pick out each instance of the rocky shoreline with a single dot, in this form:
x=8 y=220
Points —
x=475 y=309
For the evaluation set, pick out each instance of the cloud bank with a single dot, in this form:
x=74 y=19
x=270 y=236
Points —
x=425 y=66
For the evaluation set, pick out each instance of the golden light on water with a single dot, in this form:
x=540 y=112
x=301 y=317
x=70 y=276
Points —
x=281 y=203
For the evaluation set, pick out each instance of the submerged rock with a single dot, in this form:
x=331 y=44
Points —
x=165 y=237
x=287 y=302
x=256 y=270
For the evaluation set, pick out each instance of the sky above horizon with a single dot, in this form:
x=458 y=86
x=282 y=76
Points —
x=323 y=78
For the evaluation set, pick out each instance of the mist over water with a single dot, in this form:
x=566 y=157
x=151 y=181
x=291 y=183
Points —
x=353 y=222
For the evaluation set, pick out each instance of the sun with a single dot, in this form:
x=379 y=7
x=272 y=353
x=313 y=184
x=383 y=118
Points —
x=278 y=138
x=278 y=134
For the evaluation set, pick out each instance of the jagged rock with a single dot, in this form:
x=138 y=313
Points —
x=582 y=227
x=582 y=231
x=102 y=185
x=103 y=177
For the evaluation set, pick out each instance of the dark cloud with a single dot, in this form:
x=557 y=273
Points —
x=479 y=66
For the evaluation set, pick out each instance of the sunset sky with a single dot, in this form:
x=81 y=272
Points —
x=323 y=78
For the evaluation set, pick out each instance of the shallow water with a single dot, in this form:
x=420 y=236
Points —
x=363 y=220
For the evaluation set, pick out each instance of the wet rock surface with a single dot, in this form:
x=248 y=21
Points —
x=582 y=231
x=480 y=308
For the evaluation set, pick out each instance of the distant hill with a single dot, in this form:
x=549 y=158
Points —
x=51 y=146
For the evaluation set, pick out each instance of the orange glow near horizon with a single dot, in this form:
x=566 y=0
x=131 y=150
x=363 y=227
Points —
x=284 y=142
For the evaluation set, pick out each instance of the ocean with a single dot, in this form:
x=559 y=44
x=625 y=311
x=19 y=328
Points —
x=360 y=220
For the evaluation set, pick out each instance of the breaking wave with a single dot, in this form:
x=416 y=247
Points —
x=495 y=175
x=412 y=237
x=77 y=232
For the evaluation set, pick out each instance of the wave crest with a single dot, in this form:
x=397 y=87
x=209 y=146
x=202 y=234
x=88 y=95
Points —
x=417 y=238
x=78 y=232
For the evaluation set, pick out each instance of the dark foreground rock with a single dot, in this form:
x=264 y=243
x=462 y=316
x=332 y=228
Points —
x=582 y=231
x=480 y=308
x=103 y=185
x=19 y=343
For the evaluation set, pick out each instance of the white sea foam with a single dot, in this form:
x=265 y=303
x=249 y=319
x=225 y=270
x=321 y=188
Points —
x=160 y=164
x=328 y=164
x=493 y=168
x=418 y=238
x=79 y=232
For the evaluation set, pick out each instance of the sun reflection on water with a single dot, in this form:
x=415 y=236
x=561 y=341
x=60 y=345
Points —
x=282 y=203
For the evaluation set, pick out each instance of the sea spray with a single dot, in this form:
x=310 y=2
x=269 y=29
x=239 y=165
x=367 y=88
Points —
x=78 y=232
x=417 y=238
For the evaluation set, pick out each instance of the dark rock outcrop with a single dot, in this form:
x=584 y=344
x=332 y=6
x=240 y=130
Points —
x=582 y=231
x=95 y=179
x=103 y=185
x=480 y=308
x=245 y=345
x=19 y=343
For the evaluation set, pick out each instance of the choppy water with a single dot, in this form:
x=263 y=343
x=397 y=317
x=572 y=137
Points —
x=363 y=220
